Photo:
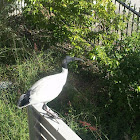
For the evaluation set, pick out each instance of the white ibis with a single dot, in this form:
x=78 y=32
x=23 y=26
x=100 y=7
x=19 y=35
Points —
x=47 y=88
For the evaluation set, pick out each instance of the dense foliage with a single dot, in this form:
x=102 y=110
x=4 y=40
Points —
x=87 y=29
x=75 y=22
x=122 y=105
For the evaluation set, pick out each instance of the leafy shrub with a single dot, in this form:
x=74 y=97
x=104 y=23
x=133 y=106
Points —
x=75 y=23
x=120 y=67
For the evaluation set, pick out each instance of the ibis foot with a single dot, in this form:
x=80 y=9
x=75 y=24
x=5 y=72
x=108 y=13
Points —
x=49 y=113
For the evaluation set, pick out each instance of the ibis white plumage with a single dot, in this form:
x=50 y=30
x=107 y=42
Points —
x=47 y=88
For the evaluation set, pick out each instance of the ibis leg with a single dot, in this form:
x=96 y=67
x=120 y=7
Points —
x=49 y=112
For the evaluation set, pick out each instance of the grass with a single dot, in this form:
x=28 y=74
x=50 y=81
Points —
x=13 y=122
x=23 y=73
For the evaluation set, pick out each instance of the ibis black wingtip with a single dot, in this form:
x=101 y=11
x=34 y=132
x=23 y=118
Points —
x=23 y=100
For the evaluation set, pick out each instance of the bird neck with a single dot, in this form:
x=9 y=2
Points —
x=65 y=71
x=64 y=75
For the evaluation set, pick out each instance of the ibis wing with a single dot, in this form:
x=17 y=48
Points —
x=46 y=89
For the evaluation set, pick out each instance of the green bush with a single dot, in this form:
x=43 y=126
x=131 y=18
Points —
x=75 y=23
x=120 y=67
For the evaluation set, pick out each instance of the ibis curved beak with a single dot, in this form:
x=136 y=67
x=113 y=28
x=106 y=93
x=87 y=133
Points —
x=79 y=59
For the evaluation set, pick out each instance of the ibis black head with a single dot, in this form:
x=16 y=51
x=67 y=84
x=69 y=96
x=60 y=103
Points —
x=69 y=59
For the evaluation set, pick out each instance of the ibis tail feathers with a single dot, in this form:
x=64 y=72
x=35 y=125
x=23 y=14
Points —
x=24 y=100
